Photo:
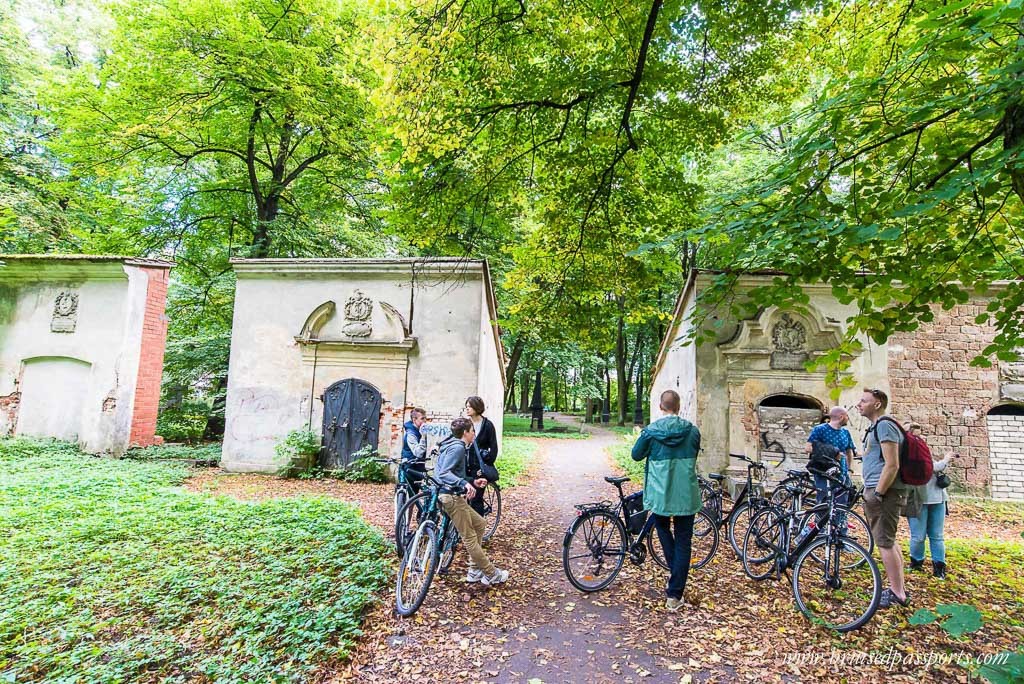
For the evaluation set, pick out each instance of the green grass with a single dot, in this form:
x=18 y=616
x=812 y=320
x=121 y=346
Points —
x=513 y=460
x=110 y=572
x=514 y=426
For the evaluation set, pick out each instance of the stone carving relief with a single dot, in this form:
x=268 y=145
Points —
x=65 y=313
x=358 y=309
x=789 y=342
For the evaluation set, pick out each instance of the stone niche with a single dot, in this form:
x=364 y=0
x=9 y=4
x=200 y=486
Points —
x=81 y=348
x=346 y=347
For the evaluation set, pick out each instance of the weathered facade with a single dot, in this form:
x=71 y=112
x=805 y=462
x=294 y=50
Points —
x=81 y=348
x=750 y=392
x=346 y=347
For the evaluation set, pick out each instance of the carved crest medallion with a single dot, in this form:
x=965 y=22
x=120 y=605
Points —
x=789 y=339
x=65 y=312
x=358 y=309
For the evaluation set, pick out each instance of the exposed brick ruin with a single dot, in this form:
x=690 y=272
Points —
x=933 y=383
x=1007 y=456
x=151 y=360
x=9 y=406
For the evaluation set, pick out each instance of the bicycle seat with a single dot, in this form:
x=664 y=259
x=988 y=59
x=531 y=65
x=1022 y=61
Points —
x=716 y=476
x=796 y=473
x=616 y=480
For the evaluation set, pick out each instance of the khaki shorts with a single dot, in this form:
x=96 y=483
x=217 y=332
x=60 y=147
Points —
x=883 y=515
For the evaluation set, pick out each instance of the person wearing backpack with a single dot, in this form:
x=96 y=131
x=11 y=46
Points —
x=930 y=520
x=885 y=493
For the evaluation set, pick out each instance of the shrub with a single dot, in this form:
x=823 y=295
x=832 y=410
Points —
x=297 y=454
x=185 y=422
x=364 y=468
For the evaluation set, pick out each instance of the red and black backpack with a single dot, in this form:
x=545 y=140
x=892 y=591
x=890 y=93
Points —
x=916 y=466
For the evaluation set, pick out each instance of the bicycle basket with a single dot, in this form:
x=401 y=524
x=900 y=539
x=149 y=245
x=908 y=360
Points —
x=633 y=509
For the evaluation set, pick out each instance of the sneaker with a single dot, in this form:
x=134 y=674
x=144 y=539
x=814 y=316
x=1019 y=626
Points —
x=498 y=577
x=889 y=599
x=672 y=605
x=916 y=565
x=474 y=575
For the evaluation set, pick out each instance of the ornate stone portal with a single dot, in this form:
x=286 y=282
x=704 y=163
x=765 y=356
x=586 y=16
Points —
x=65 y=313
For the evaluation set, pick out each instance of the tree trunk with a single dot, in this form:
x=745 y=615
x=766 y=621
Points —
x=513 y=368
x=589 y=416
x=524 y=393
x=622 y=380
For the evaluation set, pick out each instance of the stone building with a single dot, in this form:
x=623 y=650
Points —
x=81 y=348
x=749 y=391
x=346 y=347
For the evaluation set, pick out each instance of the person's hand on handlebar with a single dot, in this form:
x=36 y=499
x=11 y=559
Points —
x=470 y=491
x=480 y=482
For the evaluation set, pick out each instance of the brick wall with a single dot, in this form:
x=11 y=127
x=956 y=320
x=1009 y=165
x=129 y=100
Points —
x=1006 y=440
x=789 y=428
x=151 y=360
x=933 y=383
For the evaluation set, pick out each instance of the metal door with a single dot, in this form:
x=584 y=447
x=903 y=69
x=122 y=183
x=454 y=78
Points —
x=351 y=421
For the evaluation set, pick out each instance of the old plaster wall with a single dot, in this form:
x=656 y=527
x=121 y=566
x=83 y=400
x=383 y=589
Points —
x=75 y=384
x=490 y=385
x=679 y=369
x=275 y=381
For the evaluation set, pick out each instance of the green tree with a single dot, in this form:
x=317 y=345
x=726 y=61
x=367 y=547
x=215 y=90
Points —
x=900 y=180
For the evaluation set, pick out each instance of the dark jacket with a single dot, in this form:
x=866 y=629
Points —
x=487 y=441
x=410 y=431
x=450 y=467
x=670 y=446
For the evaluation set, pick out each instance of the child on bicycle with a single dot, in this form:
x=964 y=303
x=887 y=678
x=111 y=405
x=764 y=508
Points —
x=414 y=449
x=450 y=470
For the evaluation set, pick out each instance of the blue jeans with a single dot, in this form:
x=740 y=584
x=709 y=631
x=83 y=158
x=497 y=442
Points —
x=822 y=485
x=678 y=550
x=930 y=523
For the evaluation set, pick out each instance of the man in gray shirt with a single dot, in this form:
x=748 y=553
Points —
x=884 y=492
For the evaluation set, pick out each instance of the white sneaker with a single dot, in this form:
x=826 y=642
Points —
x=498 y=577
x=474 y=575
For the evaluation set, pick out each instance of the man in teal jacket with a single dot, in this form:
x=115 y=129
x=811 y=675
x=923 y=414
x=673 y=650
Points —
x=671 y=491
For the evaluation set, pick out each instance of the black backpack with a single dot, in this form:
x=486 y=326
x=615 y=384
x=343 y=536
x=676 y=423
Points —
x=824 y=456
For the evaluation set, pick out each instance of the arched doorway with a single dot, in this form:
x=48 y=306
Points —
x=53 y=394
x=1006 y=451
x=351 y=421
x=783 y=423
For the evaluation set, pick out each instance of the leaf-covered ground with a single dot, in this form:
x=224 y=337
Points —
x=538 y=628
x=111 y=572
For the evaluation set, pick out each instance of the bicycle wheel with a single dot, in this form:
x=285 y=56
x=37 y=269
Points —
x=402 y=494
x=856 y=528
x=841 y=593
x=764 y=543
x=739 y=521
x=593 y=550
x=492 y=504
x=408 y=519
x=449 y=545
x=781 y=496
x=417 y=569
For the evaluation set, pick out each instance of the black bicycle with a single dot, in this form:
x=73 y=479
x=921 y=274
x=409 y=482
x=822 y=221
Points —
x=835 y=580
x=603 y=535
x=748 y=502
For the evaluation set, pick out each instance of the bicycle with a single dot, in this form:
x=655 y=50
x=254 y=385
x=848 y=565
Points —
x=830 y=571
x=602 y=536
x=798 y=483
x=404 y=487
x=750 y=498
x=430 y=549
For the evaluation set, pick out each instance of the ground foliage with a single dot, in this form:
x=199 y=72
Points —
x=110 y=572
